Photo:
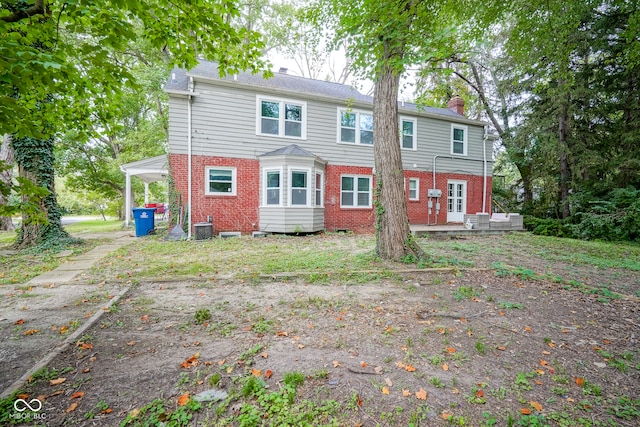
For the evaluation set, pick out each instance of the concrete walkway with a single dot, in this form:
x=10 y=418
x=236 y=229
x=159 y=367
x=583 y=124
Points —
x=55 y=298
x=68 y=270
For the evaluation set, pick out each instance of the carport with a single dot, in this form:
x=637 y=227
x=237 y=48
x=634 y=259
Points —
x=149 y=170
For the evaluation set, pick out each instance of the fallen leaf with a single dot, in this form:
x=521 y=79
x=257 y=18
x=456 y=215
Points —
x=479 y=393
x=221 y=362
x=256 y=372
x=32 y=331
x=501 y=348
x=131 y=343
x=527 y=328
x=406 y=393
x=525 y=411
x=72 y=407
x=551 y=344
x=570 y=399
x=145 y=318
x=56 y=393
x=606 y=341
x=358 y=400
x=543 y=362
x=409 y=368
x=363 y=364
x=538 y=382
x=182 y=400
x=301 y=346
x=445 y=367
x=446 y=415
x=545 y=352
x=388 y=382
x=455 y=391
x=400 y=365
x=77 y=395
x=229 y=369
x=268 y=373
x=41 y=397
x=93 y=359
x=535 y=405
x=106 y=411
x=579 y=381
x=57 y=381
x=385 y=390
x=264 y=354
x=19 y=322
x=451 y=350
x=378 y=370
x=63 y=329
x=336 y=364
x=23 y=396
x=421 y=394
x=539 y=372
x=282 y=333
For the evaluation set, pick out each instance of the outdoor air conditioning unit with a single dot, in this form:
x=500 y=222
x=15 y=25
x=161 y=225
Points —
x=434 y=193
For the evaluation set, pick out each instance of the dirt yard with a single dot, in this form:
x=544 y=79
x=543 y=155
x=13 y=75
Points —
x=478 y=344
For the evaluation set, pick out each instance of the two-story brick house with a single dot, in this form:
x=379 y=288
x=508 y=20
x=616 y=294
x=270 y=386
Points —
x=291 y=154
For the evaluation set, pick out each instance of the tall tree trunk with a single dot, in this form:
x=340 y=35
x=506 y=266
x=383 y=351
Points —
x=35 y=163
x=6 y=156
x=393 y=235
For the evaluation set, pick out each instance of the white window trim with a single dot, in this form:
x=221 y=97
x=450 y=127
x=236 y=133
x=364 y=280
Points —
x=355 y=191
x=315 y=189
x=415 y=132
x=264 y=187
x=281 y=127
x=417 y=180
x=234 y=181
x=293 y=169
x=465 y=141
x=339 y=122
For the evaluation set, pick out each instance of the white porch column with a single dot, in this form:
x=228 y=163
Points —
x=127 y=200
x=146 y=193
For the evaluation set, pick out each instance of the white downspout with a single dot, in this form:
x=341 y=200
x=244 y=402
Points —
x=484 y=169
x=189 y=158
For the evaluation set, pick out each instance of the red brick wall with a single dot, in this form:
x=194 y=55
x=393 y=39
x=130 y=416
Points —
x=358 y=220
x=241 y=212
x=230 y=213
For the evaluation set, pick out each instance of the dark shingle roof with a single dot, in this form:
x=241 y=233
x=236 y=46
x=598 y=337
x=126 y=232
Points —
x=289 y=150
x=178 y=81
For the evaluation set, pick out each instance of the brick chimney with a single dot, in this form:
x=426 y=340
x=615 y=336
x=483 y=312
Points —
x=456 y=104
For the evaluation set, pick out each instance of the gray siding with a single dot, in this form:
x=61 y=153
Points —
x=291 y=220
x=224 y=124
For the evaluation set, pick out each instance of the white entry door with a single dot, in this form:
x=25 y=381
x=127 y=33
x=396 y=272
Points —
x=456 y=201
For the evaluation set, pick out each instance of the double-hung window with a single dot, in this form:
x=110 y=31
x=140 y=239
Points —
x=273 y=190
x=220 y=181
x=319 y=195
x=356 y=127
x=299 y=188
x=414 y=188
x=408 y=134
x=355 y=191
x=284 y=118
x=459 y=140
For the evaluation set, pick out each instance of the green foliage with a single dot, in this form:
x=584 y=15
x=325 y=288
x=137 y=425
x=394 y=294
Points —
x=548 y=226
x=202 y=315
x=157 y=413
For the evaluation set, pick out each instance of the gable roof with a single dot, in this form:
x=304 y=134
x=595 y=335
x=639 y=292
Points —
x=178 y=83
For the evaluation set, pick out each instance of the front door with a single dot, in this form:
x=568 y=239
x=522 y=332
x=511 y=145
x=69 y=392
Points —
x=456 y=201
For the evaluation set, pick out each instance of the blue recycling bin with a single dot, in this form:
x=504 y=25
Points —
x=144 y=219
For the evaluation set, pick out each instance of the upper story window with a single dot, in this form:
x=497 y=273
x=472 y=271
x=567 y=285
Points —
x=220 y=181
x=459 y=139
x=355 y=127
x=278 y=117
x=355 y=191
x=408 y=137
